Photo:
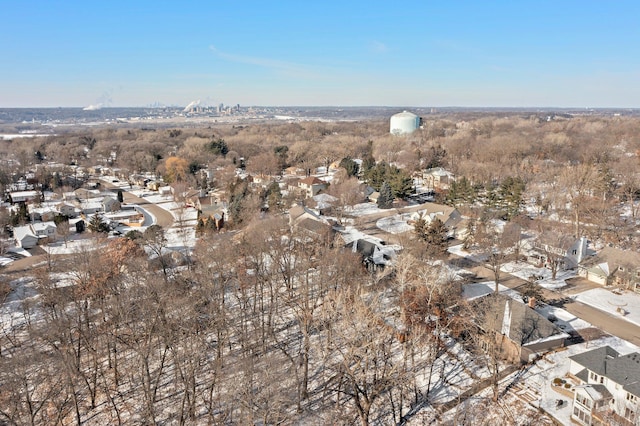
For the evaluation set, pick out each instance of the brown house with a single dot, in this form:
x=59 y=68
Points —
x=518 y=329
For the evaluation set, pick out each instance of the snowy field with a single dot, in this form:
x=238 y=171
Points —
x=609 y=302
x=76 y=243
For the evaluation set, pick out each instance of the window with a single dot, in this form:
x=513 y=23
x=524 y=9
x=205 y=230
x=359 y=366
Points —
x=631 y=397
x=593 y=376
x=629 y=414
x=582 y=400
x=574 y=252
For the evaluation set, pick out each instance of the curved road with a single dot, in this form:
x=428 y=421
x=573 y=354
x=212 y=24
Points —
x=163 y=217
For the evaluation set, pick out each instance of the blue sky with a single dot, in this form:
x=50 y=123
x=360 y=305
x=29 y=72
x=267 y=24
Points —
x=423 y=53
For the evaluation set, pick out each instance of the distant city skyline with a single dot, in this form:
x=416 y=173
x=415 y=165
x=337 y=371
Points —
x=348 y=53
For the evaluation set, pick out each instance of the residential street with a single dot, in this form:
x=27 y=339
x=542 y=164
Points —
x=163 y=217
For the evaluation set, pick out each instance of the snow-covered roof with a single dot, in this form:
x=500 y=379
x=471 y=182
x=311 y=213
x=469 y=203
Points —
x=19 y=232
x=43 y=226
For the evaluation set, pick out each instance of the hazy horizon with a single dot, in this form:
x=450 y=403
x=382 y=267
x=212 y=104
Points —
x=462 y=55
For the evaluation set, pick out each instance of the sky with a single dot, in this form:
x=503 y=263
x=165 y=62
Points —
x=56 y=53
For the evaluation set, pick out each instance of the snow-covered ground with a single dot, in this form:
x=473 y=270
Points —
x=363 y=209
x=75 y=244
x=520 y=269
x=459 y=251
x=607 y=301
x=396 y=224
x=525 y=271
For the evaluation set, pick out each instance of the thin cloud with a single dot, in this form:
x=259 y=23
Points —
x=378 y=47
x=273 y=64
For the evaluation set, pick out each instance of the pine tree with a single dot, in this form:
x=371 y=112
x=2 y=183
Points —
x=436 y=237
x=386 y=196
x=97 y=224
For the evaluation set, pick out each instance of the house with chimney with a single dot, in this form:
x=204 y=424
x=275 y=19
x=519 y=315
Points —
x=517 y=330
x=613 y=267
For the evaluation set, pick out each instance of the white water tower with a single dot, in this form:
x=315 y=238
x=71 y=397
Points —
x=404 y=123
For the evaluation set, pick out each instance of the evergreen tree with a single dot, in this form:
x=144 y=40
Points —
x=273 y=196
x=218 y=147
x=98 y=224
x=386 y=196
x=436 y=238
x=120 y=196
x=375 y=175
x=510 y=194
x=400 y=182
x=350 y=166
x=420 y=228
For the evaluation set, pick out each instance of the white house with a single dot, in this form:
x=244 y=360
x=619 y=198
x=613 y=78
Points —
x=23 y=196
x=66 y=209
x=44 y=229
x=25 y=236
x=609 y=389
x=570 y=251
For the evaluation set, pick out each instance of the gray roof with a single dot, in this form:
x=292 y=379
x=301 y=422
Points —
x=596 y=392
x=583 y=375
x=524 y=324
x=594 y=360
x=607 y=362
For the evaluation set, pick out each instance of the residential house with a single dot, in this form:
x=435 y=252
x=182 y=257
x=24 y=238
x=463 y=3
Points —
x=91 y=206
x=25 y=236
x=29 y=236
x=66 y=209
x=448 y=215
x=45 y=229
x=24 y=196
x=295 y=171
x=612 y=266
x=311 y=186
x=324 y=203
x=569 y=251
x=375 y=253
x=110 y=204
x=609 y=389
x=44 y=213
x=214 y=211
x=307 y=221
x=437 y=178
x=520 y=332
x=87 y=194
